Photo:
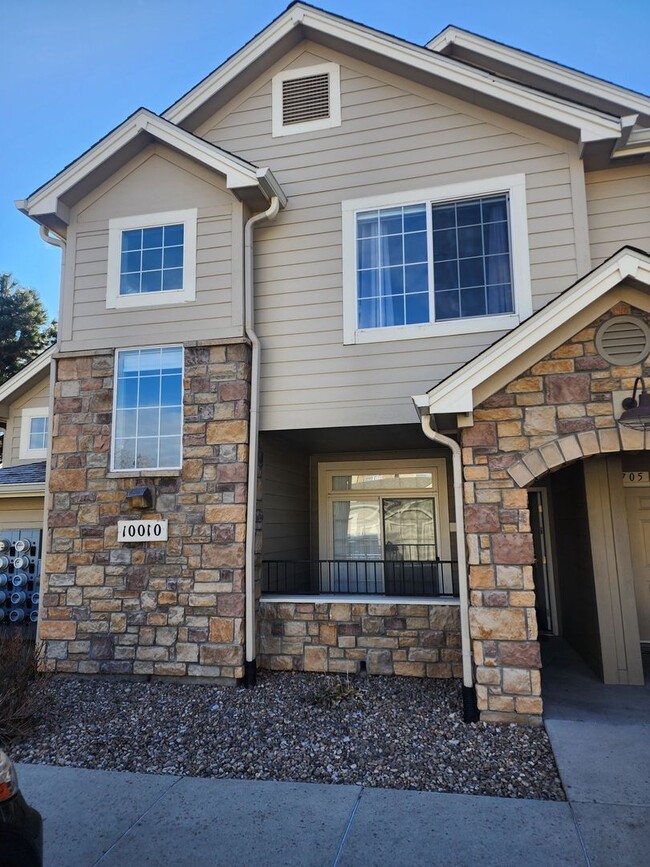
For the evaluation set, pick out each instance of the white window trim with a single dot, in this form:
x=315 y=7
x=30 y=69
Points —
x=515 y=187
x=438 y=493
x=27 y=414
x=116 y=226
x=144 y=471
x=334 y=118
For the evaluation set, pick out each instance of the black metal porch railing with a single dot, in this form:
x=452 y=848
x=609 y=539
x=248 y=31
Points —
x=430 y=578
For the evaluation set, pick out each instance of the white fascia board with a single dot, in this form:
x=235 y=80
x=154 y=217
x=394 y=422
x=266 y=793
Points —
x=456 y=394
x=238 y=172
x=27 y=373
x=539 y=66
x=229 y=70
x=33 y=489
x=593 y=125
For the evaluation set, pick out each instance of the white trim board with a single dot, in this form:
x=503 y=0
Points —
x=591 y=125
x=239 y=173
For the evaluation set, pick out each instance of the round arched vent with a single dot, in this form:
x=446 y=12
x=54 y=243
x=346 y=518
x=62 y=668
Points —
x=623 y=340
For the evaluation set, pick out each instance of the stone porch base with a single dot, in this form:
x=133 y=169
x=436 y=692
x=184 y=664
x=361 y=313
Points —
x=418 y=640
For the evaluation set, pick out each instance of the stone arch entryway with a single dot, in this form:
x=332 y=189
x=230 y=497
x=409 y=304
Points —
x=560 y=412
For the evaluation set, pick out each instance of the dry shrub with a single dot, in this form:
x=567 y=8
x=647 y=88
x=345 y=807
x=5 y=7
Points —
x=334 y=691
x=22 y=685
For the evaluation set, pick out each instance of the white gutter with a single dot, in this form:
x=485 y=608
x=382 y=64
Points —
x=469 y=696
x=253 y=437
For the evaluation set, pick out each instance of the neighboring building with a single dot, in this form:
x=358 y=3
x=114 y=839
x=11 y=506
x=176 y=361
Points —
x=24 y=411
x=332 y=223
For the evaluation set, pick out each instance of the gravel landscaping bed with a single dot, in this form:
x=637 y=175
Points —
x=403 y=733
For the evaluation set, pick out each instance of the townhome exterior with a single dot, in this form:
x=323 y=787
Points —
x=358 y=317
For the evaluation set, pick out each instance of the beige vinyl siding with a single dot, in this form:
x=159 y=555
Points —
x=37 y=396
x=21 y=513
x=285 y=502
x=618 y=208
x=395 y=136
x=155 y=182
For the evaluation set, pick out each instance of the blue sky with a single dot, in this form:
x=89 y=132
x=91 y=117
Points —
x=71 y=70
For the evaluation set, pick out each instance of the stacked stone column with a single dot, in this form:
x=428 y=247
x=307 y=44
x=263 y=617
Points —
x=159 y=608
x=558 y=411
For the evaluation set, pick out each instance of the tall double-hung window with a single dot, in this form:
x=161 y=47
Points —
x=148 y=410
x=446 y=262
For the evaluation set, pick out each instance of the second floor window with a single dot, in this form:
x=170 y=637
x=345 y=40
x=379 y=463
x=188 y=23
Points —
x=151 y=260
x=460 y=250
x=441 y=264
x=38 y=433
x=148 y=410
x=34 y=430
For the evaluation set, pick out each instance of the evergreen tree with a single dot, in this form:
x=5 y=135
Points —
x=24 y=329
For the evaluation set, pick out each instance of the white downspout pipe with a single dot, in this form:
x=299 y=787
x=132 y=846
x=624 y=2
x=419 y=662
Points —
x=250 y=672
x=55 y=241
x=470 y=711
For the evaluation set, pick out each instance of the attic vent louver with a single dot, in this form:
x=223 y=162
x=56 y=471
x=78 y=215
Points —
x=623 y=340
x=306 y=98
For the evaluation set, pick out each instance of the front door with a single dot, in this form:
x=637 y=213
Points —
x=638 y=517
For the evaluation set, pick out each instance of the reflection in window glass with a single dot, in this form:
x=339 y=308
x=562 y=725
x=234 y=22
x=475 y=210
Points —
x=148 y=414
x=152 y=260
x=38 y=433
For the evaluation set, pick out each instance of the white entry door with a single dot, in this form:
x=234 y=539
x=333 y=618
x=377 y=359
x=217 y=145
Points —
x=638 y=517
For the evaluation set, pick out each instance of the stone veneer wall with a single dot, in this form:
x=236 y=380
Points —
x=559 y=411
x=335 y=637
x=162 y=608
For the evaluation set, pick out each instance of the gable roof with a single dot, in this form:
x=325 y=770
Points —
x=25 y=378
x=539 y=72
x=555 y=79
x=50 y=204
x=458 y=392
x=302 y=21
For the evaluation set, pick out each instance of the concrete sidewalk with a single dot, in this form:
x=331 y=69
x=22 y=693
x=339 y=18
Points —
x=108 y=818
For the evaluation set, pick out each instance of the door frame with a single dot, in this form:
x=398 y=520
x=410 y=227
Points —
x=550 y=576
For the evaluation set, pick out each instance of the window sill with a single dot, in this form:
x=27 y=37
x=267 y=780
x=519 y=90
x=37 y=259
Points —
x=505 y=322
x=144 y=474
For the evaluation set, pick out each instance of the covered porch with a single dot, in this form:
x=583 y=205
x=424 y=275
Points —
x=358 y=553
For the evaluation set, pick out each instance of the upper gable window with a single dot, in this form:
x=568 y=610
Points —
x=152 y=259
x=306 y=99
x=447 y=261
x=33 y=433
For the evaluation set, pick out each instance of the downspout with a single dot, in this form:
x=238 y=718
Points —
x=55 y=241
x=250 y=669
x=470 y=710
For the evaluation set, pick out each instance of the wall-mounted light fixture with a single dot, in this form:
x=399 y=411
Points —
x=140 y=498
x=636 y=413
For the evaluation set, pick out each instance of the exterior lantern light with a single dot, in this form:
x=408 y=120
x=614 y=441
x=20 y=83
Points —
x=636 y=413
x=140 y=498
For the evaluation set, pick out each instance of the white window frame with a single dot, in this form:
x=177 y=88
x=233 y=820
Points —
x=27 y=414
x=145 y=471
x=438 y=492
x=334 y=118
x=114 y=300
x=514 y=186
